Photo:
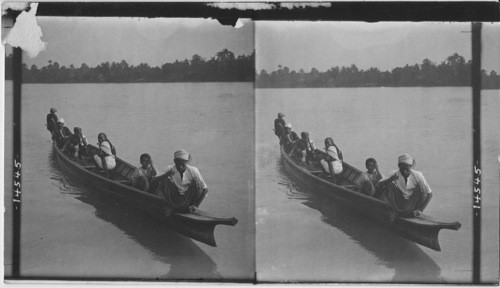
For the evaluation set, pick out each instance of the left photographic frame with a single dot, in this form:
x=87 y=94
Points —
x=153 y=86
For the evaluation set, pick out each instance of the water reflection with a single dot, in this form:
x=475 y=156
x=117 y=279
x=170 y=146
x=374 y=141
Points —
x=187 y=261
x=410 y=263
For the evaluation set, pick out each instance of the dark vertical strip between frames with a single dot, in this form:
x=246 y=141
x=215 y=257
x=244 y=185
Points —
x=16 y=199
x=476 y=136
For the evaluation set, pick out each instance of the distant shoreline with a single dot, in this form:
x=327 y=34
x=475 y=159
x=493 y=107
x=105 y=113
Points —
x=199 y=82
x=454 y=71
x=224 y=66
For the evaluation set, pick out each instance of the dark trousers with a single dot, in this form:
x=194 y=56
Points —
x=164 y=187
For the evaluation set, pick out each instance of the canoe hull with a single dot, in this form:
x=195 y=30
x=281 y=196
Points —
x=198 y=226
x=422 y=231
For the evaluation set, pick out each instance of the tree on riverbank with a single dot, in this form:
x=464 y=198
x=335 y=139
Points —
x=454 y=71
x=223 y=67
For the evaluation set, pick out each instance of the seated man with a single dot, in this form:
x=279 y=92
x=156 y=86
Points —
x=304 y=148
x=406 y=190
x=367 y=181
x=142 y=177
x=288 y=138
x=76 y=144
x=61 y=133
x=182 y=186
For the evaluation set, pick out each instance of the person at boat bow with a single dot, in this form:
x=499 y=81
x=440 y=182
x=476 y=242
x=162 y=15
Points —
x=76 y=143
x=182 y=186
x=52 y=121
x=289 y=138
x=105 y=157
x=368 y=179
x=143 y=176
x=332 y=163
x=406 y=189
x=279 y=125
x=61 y=134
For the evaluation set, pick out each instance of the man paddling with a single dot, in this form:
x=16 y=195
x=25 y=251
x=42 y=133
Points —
x=52 y=121
x=406 y=189
x=182 y=186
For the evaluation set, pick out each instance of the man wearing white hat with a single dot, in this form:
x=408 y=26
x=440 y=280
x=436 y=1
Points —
x=406 y=189
x=61 y=133
x=288 y=138
x=183 y=187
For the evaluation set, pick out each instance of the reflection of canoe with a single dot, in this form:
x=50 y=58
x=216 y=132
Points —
x=199 y=226
x=422 y=230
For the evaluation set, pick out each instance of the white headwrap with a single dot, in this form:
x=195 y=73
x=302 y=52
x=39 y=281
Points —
x=181 y=154
x=406 y=158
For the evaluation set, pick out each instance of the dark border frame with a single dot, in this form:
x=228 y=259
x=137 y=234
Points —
x=470 y=11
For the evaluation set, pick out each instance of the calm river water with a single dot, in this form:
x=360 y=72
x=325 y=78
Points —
x=69 y=230
x=303 y=237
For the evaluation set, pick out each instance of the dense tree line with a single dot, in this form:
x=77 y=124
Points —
x=223 y=67
x=455 y=71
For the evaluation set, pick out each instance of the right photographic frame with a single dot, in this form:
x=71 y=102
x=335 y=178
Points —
x=364 y=152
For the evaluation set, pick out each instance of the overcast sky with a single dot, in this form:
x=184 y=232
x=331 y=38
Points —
x=77 y=40
x=383 y=45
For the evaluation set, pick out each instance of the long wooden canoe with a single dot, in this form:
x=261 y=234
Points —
x=199 y=225
x=423 y=230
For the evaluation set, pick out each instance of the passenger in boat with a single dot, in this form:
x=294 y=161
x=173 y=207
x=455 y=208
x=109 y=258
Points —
x=76 y=144
x=406 y=189
x=304 y=149
x=367 y=180
x=289 y=138
x=142 y=177
x=52 y=121
x=279 y=125
x=61 y=134
x=105 y=157
x=332 y=163
x=182 y=186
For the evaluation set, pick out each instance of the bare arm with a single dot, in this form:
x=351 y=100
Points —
x=383 y=182
x=155 y=171
x=379 y=172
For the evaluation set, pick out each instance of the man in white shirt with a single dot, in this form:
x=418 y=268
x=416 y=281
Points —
x=406 y=190
x=184 y=188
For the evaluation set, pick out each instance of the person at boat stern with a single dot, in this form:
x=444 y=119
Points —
x=143 y=176
x=332 y=163
x=406 y=189
x=279 y=125
x=105 y=157
x=289 y=138
x=52 y=121
x=61 y=134
x=368 y=179
x=182 y=186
